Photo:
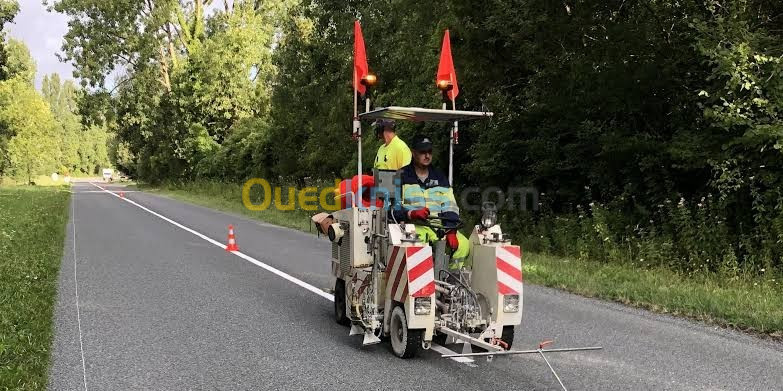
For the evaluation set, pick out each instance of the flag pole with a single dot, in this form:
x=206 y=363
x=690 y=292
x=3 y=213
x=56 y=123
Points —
x=446 y=80
x=357 y=128
x=454 y=140
x=451 y=149
x=361 y=76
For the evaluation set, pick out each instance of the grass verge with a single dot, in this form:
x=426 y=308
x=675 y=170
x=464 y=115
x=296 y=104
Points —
x=753 y=305
x=32 y=231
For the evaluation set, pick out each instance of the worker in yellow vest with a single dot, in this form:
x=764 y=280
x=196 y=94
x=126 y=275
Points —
x=393 y=154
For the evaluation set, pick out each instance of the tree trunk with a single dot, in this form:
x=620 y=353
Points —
x=172 y=53
x=164 y=70
x=198 y=25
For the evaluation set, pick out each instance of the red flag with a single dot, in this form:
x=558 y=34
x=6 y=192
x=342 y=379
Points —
x=446 y=67
x=360 y=68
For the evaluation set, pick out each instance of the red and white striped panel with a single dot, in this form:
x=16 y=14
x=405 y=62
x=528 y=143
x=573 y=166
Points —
x=410 y=269
x=394 y=268
x=421 y=271
x=509 y=267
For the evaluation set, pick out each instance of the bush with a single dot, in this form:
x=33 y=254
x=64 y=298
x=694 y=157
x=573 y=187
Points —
x=687 y=236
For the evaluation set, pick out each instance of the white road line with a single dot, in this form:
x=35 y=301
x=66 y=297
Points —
x=287 y=276
x=311 y=288
x=101 y=191
x=444 y=350
x=76 y=289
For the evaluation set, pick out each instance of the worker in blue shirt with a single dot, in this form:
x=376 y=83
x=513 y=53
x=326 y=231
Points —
x=425 y=191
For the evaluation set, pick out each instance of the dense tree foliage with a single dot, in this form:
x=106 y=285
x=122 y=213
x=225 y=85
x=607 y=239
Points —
x=652 y=129
x=8 y=10
x=41 y=133
x=188 y=79
x=84 y=149
x=26 y=116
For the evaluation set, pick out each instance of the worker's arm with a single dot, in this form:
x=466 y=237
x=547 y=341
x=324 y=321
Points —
x=377 y=162
x=398 y=213
x=413 y=199
x=402 y=213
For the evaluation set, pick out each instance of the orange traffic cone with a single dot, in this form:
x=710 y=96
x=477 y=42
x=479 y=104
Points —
x=232 y=242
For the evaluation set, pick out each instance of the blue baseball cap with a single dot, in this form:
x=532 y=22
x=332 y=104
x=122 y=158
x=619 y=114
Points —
x=421 y=143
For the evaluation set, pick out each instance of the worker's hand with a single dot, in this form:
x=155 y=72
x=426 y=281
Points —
x=419 y=214
x=451 y=239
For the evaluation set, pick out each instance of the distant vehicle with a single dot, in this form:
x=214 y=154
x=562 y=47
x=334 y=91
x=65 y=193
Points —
x=108 y=175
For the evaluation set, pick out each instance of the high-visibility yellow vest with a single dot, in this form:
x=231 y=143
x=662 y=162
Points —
x=437 y=199
x=394 y=156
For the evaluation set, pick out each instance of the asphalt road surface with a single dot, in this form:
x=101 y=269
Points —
x=145 y=304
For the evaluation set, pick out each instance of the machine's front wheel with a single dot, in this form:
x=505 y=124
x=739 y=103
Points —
x=508 y=336
x=404 y=341
x=339 y=303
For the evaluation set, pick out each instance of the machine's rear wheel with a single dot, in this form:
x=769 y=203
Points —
x=508 y=336
x=404 y=341
x=339 y=303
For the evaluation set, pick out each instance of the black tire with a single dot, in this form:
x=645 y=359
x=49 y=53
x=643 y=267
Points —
x=508 y=336
x=405 y=342
x=339 y=303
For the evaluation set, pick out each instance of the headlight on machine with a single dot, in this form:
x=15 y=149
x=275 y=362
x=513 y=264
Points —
x=511 y=303
x=489 y=215
x=422 y=305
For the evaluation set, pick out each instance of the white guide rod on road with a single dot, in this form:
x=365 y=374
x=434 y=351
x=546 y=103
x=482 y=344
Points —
x=510 y=352
x=540 y=351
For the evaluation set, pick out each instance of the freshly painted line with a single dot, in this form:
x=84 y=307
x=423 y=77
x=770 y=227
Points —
x=76 y=289
x=311 y=288
x=444 y=351
x=102 y=191
x=287 y=276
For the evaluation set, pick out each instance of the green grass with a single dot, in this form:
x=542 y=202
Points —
x=40 y=180
x=753 y=305
x=32 y=230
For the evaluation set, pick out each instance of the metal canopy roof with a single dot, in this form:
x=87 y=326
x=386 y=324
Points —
x=418 y=114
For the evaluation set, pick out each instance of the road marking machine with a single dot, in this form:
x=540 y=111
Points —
x=390 y=283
